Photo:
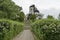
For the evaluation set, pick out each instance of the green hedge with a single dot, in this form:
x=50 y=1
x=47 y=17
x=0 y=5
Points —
x=9 y=29
x=47 y=29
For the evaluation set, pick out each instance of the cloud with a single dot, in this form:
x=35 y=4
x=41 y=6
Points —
x=40 y=4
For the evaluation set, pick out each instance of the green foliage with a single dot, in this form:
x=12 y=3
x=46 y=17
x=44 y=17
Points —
x=47 y=29
x=9 y=10
x=32 y=17
x=50 y=17
x=9 y=29
x=59 y=17
x=22 y=16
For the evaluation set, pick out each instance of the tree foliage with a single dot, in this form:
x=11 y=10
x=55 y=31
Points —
x=50 y=17
x=32 y=17
x=59 y=16
x=9 y=10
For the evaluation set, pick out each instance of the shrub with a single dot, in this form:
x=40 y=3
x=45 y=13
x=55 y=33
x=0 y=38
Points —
x=48 y=29
x=9 y=29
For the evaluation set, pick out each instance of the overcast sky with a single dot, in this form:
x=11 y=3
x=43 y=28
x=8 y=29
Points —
x=40 y=4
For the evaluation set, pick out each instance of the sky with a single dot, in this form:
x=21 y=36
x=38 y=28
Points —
x=40 y=4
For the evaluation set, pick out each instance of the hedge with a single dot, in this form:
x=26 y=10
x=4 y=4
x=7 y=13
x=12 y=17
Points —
x=46 y=29
x=9 y=29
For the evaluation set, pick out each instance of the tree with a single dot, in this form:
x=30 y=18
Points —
x=31 y=17
x=59 y=16
x=50 y=17
x=9 y=10
x=21 y=16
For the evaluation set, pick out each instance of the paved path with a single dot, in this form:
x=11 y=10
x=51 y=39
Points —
x=26 y=34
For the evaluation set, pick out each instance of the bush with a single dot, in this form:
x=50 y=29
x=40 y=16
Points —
x=9 y=29
x=48 y=29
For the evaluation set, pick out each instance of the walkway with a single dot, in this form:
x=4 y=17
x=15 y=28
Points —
x=26 y=34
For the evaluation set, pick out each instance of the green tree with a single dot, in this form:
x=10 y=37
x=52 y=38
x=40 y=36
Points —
x=50 y=17
x=59 y=16
x=9 y=10
x=20 y=17
x=32 y=17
